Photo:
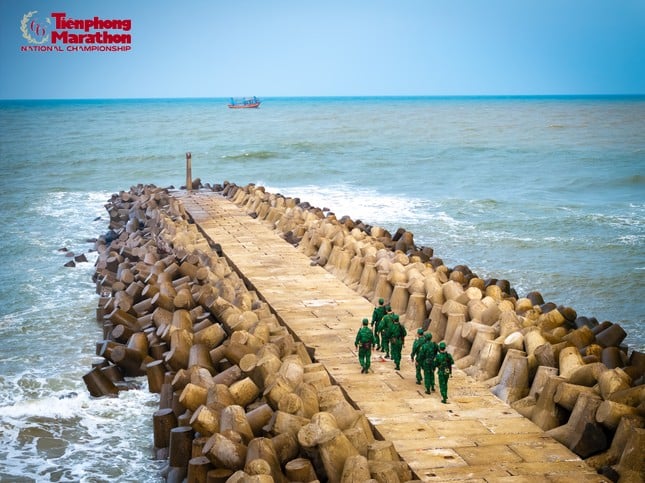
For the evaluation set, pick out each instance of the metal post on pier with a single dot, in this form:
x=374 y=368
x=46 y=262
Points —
x=189 y=175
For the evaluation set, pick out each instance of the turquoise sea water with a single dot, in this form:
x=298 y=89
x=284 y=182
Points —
x=548 y=193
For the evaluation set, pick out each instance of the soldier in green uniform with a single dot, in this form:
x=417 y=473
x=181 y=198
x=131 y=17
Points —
x=363 y=342
x=396 y=335
x=416 y=346
x=377 y=315
x=443 y=362
x=426 y=359
x=383 y=328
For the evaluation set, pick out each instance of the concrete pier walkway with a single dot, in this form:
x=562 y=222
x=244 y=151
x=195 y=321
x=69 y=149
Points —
x=474 y=438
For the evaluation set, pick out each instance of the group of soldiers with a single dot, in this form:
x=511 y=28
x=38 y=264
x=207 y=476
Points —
x=388 y=335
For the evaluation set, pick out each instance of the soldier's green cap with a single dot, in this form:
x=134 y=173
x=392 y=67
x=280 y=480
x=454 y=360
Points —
x=419 y=330
x=428 y=336
x=388 y=308
x=381 y=301
x=442 y=345
x=365 y=321
x=395 y=318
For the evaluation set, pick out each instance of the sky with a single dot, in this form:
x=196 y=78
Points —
x=223 y=48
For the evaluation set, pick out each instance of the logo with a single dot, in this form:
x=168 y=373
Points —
x=60 y=33
x=35 y=29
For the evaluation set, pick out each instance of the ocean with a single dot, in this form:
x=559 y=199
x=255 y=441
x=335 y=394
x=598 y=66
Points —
x=546 y=192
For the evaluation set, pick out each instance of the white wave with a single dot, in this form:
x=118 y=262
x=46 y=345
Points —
x=358 y=203
x=616 y=220
x=631 y=240
x=375 y=208
x=61 y=407
x=73 y=437
x=59 y=204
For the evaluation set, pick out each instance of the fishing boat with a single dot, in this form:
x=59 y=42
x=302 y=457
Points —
x=244 y=103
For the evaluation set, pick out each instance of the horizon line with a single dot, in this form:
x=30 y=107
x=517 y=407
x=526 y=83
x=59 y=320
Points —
x=344 y=96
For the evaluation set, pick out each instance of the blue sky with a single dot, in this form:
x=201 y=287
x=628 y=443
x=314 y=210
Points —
x=217 y=48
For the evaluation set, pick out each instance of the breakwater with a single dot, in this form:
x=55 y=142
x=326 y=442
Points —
x=240 y=398
x=152 y=240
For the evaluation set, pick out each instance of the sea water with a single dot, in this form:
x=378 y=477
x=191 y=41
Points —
x=547 y=193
